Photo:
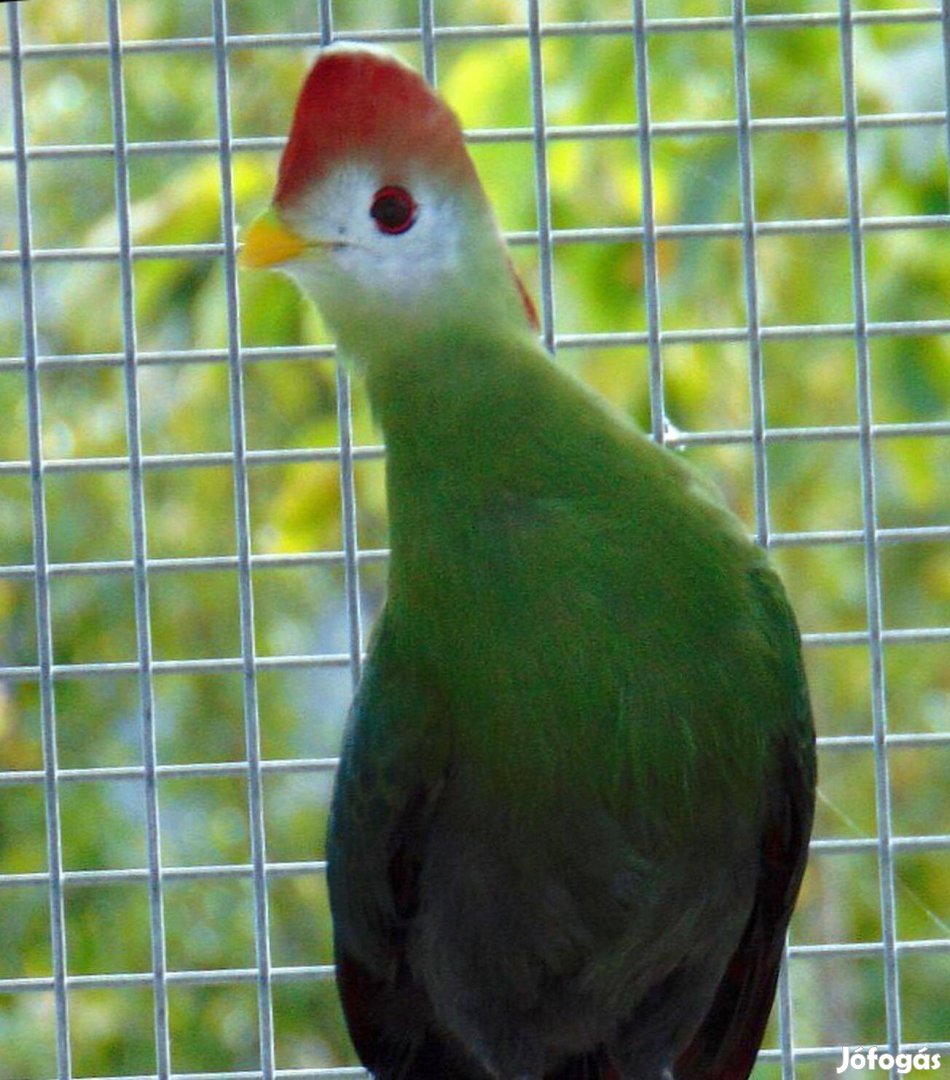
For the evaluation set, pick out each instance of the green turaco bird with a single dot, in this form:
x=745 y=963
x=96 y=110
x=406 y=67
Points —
x=577 y=782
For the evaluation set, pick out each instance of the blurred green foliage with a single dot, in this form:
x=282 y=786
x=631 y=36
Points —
x=814 y=484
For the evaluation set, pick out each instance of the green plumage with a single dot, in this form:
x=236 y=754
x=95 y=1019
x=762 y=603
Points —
x=577 y=781
x=586 y=693
x=536 y=538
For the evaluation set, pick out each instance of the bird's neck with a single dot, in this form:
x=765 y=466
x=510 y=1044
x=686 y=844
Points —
x=454 y=411
x=442 y=384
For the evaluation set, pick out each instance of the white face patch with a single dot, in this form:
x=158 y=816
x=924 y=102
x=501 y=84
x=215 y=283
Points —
x=356 y=253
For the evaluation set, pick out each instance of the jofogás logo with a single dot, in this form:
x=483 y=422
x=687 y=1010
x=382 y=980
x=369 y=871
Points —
x=871 y=1058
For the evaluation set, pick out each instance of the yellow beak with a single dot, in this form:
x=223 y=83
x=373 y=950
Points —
x=268 y=242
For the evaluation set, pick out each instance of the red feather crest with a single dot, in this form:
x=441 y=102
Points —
x=361 y=104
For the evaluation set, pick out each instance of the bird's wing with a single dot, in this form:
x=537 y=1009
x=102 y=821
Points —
x=390 y=1024
x=387 y=789
x=726 y=1043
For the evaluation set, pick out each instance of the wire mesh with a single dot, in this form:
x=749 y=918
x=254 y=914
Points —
x=126 y=759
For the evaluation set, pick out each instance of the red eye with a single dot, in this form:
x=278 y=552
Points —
x=393 y=210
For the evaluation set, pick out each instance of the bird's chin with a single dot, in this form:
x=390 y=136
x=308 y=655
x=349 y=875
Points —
x=321 y=283
x=313 y=271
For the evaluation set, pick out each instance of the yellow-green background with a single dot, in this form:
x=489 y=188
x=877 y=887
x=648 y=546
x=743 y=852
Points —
x=814 y=484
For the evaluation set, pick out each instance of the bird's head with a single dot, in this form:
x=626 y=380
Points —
x=378 y=212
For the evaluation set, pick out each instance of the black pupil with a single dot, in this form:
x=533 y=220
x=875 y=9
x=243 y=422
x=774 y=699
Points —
x=393 y=209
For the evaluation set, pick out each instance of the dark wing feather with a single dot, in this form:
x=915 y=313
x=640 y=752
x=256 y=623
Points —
x=390 y=1020
x=593 y=1066
x=727 y=1042
x=390 y=1023
x=387 y=788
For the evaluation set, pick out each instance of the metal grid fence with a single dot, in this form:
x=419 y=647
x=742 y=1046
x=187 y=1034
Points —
x=43 y=570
